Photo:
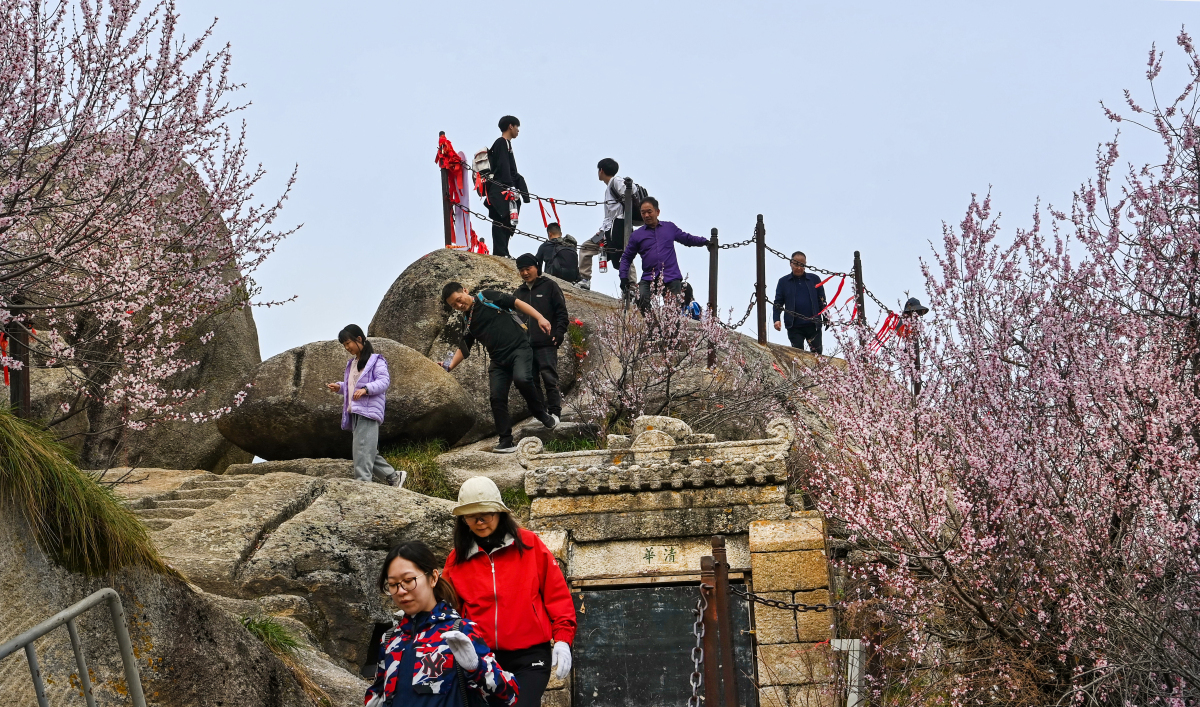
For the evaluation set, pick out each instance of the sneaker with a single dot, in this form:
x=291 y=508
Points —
x=504 y=450
x=584 y=284
x=398 y=478
x=553 y=422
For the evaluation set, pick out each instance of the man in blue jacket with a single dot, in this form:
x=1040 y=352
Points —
x=800 y=299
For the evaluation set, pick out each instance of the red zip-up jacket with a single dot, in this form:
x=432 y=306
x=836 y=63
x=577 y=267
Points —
x=516 y=599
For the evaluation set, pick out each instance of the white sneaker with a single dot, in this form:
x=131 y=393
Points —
x=584 y=284
x=399 y=478
x=553 y=422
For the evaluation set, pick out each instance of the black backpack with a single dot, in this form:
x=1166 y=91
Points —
x=564 y=263
x=639 y=193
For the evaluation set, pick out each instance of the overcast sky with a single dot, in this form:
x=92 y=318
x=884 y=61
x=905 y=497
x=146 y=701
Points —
x=848 y=125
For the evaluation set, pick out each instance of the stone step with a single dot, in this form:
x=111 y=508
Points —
x=172 y=513
x=157 y=523
x=209 y=492
x=194 y=503
x=215 y=482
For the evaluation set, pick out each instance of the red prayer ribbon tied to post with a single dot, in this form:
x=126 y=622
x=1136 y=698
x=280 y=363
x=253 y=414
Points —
x=890 y=325
x=4 y=352
x=837 y=294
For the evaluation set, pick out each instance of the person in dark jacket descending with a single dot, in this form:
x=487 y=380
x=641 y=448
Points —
x=420 y=656
x=800 y=298
x=492 y=321
x=504 y=174
x=544 y=295
x=511 y=586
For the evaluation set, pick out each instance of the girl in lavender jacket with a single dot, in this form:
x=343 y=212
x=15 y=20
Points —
x=363 y=387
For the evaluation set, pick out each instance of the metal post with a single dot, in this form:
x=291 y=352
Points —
x=85 y=681
x=133 y=680
x=713 y=249
x=760 y=287
x=18 y=348
x=860 y=296
x=447 y=214
x=725 y=620
x=917 y=352
x=35 y=670
x=712 y=691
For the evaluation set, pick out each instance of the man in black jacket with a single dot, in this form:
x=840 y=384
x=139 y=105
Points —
x=505 y=177
x=545 y=296
x=491 y=321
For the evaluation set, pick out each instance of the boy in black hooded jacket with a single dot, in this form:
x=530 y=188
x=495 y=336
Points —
x=546 y=297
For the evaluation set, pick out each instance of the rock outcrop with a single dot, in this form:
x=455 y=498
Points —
x=100 y=441
x=189 y=652
x=289 y=414
x=413 y=314
x=307 y=548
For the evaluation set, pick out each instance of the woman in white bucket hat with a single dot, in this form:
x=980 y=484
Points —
x=511 y=586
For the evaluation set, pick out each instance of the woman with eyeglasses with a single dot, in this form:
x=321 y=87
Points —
x=430 y=649
x=511 y=587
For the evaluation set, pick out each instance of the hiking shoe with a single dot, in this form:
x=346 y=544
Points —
x=584 y=284
x=553 y=422
x=398 y=478
x=504 y=450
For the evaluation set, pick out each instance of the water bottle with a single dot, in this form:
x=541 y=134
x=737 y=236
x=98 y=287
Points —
x=448 y=360
x=603 y=258
x=513 y=208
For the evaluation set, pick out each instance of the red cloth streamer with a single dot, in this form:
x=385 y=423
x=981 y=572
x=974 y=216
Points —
x=4 y=352
x=835 y=295
x=553 y=208
x=477 y=246
x=885 y=332
x=822 y=282
x=448 y=159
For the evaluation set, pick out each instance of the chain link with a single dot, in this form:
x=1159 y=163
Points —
x=775 y=603
x=749 y=309
x=697 y=676
x=561 y=202
x=514 y=230
x=748 y=241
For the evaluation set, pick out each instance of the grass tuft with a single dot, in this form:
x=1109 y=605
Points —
x=280 y=641
x=76 y=520
x=571 y=444
x=419 y=459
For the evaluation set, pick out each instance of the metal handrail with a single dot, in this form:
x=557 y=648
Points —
x=67 y=616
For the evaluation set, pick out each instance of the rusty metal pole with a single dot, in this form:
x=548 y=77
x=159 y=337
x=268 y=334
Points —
x=712 y=691
x=860 y=297
x=760 y=287
x=447 y=213
x=725 y=620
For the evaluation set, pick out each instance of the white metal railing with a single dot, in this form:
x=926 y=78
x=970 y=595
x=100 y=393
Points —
x=67 y=616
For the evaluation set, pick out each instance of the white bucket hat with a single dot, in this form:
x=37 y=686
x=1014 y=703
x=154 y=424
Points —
x=479 y=494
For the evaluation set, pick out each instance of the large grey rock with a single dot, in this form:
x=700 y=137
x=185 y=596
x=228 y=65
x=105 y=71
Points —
x=413 y=314
x=328 y=468
x=189 y=652
x=289 y=414
x=99 y=440
x=309 y=548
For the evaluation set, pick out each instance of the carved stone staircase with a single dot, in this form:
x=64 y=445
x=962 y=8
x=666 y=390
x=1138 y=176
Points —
x=161 y=511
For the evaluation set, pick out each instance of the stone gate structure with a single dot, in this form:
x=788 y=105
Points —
x=642 y=513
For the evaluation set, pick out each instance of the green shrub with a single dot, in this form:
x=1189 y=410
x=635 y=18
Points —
x=75 y=520
x=571 y=444
x=419 y=459
x=272 y=633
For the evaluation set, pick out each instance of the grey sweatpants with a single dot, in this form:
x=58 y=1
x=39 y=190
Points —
x=367 y=458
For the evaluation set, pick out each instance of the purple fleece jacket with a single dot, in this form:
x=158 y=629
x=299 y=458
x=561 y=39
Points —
x=374 y=377
x=657 y=248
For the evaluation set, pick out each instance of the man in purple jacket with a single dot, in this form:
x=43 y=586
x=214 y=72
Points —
x=655 y=242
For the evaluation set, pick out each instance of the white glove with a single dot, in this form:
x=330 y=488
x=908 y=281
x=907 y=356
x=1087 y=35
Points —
x=562 y=659
x=463 y=649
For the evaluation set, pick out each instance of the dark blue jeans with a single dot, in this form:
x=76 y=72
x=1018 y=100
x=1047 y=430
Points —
x=806 y=333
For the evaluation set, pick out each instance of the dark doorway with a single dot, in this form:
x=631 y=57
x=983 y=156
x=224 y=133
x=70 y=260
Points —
x=633 y=648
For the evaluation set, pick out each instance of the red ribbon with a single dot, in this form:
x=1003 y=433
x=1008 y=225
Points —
x=553 y=208
x=4 y=352
x=885 y=332
x=835 y=295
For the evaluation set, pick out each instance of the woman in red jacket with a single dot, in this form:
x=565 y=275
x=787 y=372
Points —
x=511 y=587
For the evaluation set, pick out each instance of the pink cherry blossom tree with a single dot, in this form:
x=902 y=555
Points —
x=1026 y=529
x=127 y=223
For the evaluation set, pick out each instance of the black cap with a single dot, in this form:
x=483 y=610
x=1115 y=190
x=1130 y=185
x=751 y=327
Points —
x=526 y=260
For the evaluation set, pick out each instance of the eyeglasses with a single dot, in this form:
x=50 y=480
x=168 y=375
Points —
x=406 y=584
x=479 y=518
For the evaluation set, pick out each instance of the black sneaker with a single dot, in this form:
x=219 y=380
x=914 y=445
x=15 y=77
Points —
x=553 y=422
x=502 y=449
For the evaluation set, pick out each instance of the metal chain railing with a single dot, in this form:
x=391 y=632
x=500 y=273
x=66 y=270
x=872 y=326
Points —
x=697 y=676
x=531 y=195
x=749 y=309
x=515 y=231
x=775 y=603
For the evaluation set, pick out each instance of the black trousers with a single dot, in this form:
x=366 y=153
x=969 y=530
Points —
x=531 y=669
x=500 y=236
x=545 y=374
x=501 y=376
x=675 y=287
x=809 y=333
